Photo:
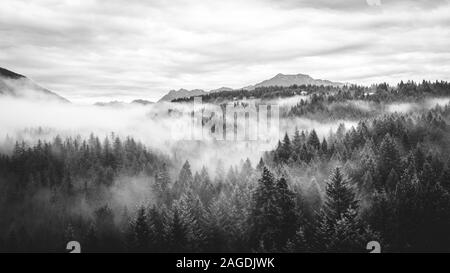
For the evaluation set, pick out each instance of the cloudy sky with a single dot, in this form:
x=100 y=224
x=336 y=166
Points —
x=92 y=51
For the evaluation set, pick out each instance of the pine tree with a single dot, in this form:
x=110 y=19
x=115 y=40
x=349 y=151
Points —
x=219 y=226
x=185 y=180
x=339 y=197
x=104 y=221
x=389 y=158
x=265 y=212
x=220 y=173
x=141 y=232
x=161 y=185
x=299 y=243
x=339 y=228
x=313 y=198
x=288 y=218
x=428 y=177
x=324 y=148
x=157 y=225
x=297 y=141
x=246 y=171
x=406 y=205
x=351 y=235
x=177 y=233
x=285 y=150
x=380 y=214
x=69 y=233
x=192 y=214
x=186 y=174
x=392 y=180
x=261 y=165
x=313 y=140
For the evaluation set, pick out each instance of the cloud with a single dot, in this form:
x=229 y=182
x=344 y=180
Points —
x=98 y=50
x=351 y=5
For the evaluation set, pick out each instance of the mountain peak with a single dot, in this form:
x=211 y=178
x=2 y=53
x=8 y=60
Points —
x=280 y=79
x=16 y=85
x=281 y=75
x=286 y=80
x=182 y=93
x=9 y=74
x=221 y=89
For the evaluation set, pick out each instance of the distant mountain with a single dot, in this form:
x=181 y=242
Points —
x=182 y=93
x=289 y=80
x=143 y=102
x=111 y=104
x=279 y=80
x=16 y=85
x=117 y=104
x=222 y=89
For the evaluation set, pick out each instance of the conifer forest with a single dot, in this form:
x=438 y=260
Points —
x=371 y=164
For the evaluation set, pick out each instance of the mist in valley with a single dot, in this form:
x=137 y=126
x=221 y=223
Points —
x=106 y=171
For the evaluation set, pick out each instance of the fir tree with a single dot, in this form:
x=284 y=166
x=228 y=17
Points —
x=340 y=198
x=141 y=232
x=177 y=233
x=288 y=212
x=261 y=165
x=184 y=181
x=313 y=140
x=389 y=158
x=264 y=212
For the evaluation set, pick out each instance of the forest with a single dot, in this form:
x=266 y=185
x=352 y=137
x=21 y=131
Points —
x=387 y=179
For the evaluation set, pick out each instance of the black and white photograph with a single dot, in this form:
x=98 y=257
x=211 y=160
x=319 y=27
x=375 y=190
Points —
x=225 y=127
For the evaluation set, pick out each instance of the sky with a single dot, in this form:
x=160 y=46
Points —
x=90 y=51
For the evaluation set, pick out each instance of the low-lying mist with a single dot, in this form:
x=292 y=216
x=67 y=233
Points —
x=416 y=106
x=153 y=125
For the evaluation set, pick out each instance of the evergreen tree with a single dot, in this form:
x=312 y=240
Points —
x=324 y=147
x=288 y=218
x=161 y=185
x=177 y=233
x=340 y=198
x=389 y=158
x=185 y=180
x=313 y=140
x=351 y=235
x=265 y=212
x=313 y=198
x=157 y=225
x=392 y=180
x=141 y=232
x=246 y=171
x=261 y=165
x=285 y=150
x=297 y=141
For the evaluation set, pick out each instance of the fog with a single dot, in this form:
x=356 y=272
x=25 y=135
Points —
x=162 y=127
x=153 y=125
x=416 y=106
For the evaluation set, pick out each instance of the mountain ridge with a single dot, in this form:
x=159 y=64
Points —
x=283 y=80
x=16 y=85
x=286 y=80
x=182 y=93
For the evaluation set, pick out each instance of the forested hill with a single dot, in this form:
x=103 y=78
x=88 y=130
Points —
x=261 y=93
x=381 y=92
